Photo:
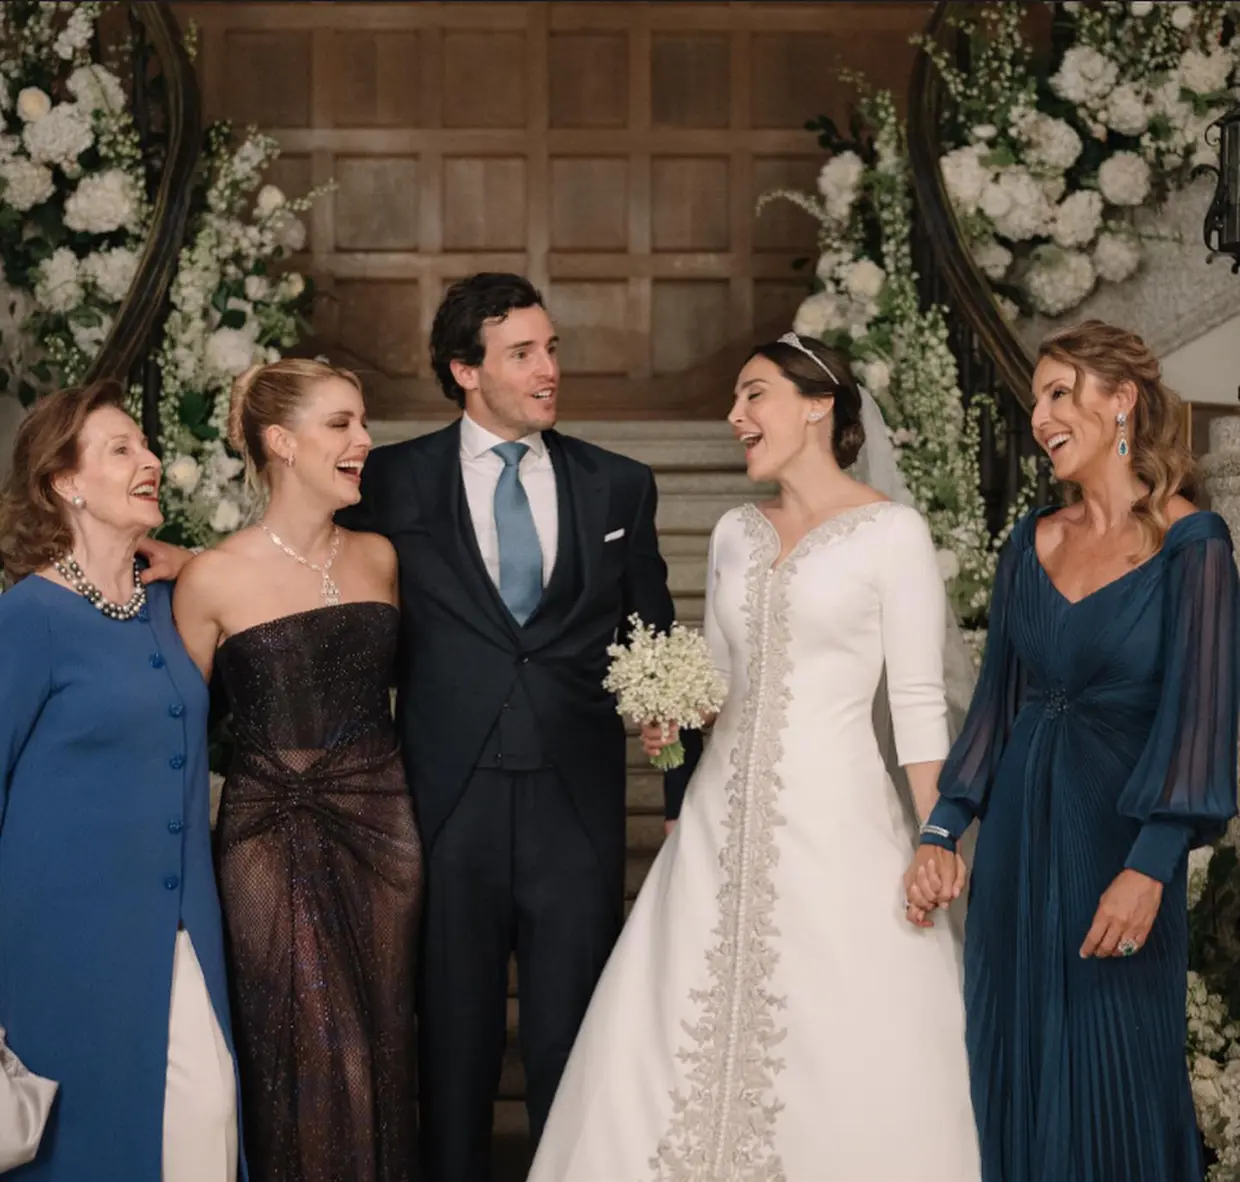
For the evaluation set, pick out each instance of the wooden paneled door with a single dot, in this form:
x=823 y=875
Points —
x=612 y=152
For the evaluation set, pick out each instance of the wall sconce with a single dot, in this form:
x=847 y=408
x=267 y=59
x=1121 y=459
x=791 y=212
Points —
x=1221 y=229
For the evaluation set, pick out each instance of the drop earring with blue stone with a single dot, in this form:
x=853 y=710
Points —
x=1121 y=420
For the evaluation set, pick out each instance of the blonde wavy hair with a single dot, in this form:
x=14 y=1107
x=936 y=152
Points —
x=271 y=396
x=1161 y=458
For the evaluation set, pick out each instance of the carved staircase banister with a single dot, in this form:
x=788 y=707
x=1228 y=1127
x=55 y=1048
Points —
x=142 y=311
x=968 y=288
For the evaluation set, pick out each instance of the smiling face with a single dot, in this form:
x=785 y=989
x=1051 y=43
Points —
x=329 y=443
x=771 y=417
x=513 y=392
x=1079 y=432
x=117 y=475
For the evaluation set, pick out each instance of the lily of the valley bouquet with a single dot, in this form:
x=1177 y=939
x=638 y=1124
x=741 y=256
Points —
x=667 y=678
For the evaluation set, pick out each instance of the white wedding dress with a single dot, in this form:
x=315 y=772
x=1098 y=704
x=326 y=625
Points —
x=768 y=1015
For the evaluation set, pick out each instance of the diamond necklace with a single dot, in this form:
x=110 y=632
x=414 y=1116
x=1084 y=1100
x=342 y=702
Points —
x=327 y=589
x=67 y=568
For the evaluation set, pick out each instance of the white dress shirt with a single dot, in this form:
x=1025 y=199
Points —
x=481 y=467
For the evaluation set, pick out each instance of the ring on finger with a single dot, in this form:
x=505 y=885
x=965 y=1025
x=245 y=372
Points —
x=1127 y=947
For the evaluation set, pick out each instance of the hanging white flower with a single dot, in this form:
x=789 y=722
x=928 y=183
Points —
x=965 y=177
x=227 y=516
x=992 y=257
x=60 y=137
x=111 y=271
x=1058 y=280
x=89 y=338
x=103 y=202
x=290 y=233
x=76 y=35
x=1124 y=179
x=818 y=315
x=96 y=88
x=1077 y=218
x=183 y=474
x=33 y=103
x=838 y=182
x=1205 y=73
x=1182 y=17
x=1084 y=75
x=292 y=285
x=983 y=132
x=269 y=199
x=58 y=285
x=1126 y=111
x=1049 y=142
x=1116 y=256
x=1016 y=205
x=230 y=351
x=257 y=287
x=864 y=280
x=24 y=185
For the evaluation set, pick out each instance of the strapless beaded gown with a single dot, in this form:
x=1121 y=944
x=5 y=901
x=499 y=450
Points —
x=320 y=873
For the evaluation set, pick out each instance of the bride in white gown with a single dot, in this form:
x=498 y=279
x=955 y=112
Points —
x=768 y=1015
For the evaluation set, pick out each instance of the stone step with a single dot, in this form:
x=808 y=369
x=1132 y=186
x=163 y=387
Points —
x=693 y=512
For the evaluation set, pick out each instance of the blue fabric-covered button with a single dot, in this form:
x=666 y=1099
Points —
x=175 y=826
x=144 y=613
x=157 y=660
x=177 y=762
x=176 y=710
x=172 y=882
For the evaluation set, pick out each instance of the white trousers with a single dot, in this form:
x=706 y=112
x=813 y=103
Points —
x=200 y=1100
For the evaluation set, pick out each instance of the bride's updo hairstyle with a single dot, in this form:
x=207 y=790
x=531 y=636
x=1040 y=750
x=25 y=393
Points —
x=820 y=372
x=273 y=396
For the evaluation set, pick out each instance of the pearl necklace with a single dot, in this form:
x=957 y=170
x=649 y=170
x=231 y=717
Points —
x=73 y=574
x=327 y=589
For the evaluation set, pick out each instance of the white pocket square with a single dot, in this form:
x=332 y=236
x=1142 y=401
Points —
x=614 y=536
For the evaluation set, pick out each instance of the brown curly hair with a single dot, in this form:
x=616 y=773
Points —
x=1160 y=457
x=270 y=396
x=34 y=525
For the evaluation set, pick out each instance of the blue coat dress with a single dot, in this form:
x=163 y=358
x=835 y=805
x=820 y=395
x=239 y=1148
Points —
x=104 y=852
x=1102 y=736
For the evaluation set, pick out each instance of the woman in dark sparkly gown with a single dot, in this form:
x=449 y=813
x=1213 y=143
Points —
x=319 y=861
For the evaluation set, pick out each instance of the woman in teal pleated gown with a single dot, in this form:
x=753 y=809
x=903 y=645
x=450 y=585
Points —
x=1100 y=748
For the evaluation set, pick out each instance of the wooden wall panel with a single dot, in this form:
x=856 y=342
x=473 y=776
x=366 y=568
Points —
x=610 y=151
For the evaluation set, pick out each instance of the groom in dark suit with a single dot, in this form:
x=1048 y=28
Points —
x=522 y=553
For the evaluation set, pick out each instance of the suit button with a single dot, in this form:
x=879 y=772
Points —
x=505 y=706
x=175 y=826
x=525 y=660
x=177 y=762
x=171 y=882
x=157 y=660
x=176 y=710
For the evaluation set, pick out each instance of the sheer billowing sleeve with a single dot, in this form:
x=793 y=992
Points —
x=914 y=608
x=25 y=680
x=970 y=768
x=1183 y=788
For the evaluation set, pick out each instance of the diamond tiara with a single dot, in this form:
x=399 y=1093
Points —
x=791 y=338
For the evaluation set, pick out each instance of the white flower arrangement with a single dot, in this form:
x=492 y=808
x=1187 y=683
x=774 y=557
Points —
x=73 y=221
x=665 y=677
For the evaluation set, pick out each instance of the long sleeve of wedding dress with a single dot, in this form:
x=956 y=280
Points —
x=768 y=1015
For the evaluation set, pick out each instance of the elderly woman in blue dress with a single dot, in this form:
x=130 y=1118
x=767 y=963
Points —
x=1100 y=747
x=111 y=954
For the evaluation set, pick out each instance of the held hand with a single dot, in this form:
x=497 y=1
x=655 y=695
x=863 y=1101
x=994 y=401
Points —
x=935 y=879
x=657 y=735
x=166 y=560
x=1125 y=915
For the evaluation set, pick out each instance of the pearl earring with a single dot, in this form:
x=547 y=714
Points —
x=1121 y=421
x=79 y=503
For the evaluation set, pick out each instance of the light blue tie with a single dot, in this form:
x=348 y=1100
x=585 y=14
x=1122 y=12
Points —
x=520 y=554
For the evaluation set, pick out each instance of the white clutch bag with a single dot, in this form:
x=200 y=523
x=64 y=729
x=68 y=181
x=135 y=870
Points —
x=25 y=1101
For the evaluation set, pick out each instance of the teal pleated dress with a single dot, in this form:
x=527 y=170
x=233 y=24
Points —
x=1102 y=736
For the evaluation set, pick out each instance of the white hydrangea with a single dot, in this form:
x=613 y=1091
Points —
x=257 y=287
x=1205 y=73
x=1016 y=205
x=33 y=104
x=230 y=351
x=89 y=338
x=58 y=286
x=60 y=137
x=96 y=88
x=290 y=232
x=103 y=202
x=1116 y=256
x=1124 y=179
x=111 y=271
x=992 y=257
x=1182 y=17
x=875 y=376
x=269 y=199
x=1084 y=76
x=183 y=474
x=1058 y=280
x=1126 y=111
x=829 y=264
x=1049 y=142
x=965 y=177
x=820 y=314
x=76 y=35
x=227 y=516
x=864 y=280
x=838 y=182
x=25 y=185
x=1077 y=218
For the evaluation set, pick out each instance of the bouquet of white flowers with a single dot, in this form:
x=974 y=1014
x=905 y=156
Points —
x=666 y=678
